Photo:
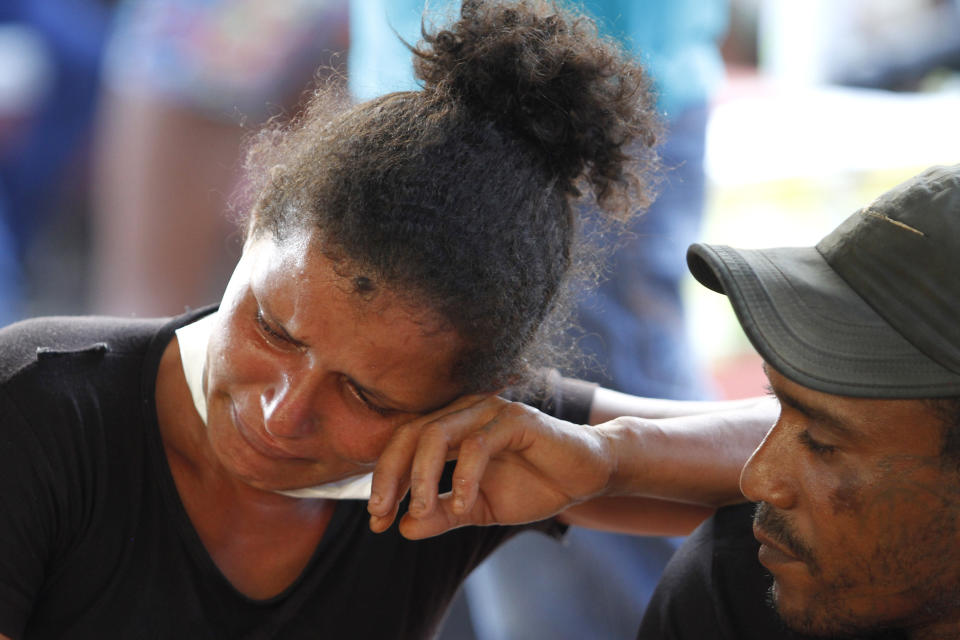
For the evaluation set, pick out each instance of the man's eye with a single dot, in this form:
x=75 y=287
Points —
x=815 y=446
x=269 y=330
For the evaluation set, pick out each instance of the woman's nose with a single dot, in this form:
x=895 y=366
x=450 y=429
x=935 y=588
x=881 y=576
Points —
x=288 y=408
x=766 y=477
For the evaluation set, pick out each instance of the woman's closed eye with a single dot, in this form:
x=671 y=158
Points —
x=269 y=331
x=359 y=394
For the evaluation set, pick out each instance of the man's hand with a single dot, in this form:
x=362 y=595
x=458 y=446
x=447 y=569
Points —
x=514 y=465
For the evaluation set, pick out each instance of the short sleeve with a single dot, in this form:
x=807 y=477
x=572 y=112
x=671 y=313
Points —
x=565 y=398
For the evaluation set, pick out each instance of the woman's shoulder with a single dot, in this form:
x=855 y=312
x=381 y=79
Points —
x=67 y=381
x=79 y=449
x=56 y=340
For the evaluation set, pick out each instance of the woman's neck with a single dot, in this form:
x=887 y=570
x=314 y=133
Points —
x=260 y=540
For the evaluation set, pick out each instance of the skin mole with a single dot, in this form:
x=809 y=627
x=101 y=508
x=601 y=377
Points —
x=363 y=284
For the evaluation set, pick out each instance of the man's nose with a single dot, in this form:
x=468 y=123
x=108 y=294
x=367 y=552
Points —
x=766 y=477
x=288 y=408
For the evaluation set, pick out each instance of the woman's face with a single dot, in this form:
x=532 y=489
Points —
x=306 y=379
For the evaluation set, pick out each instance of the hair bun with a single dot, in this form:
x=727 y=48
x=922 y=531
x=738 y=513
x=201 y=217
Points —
x=544 y=74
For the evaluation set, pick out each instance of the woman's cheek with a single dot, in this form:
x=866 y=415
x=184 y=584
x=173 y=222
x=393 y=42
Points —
x=362 y=441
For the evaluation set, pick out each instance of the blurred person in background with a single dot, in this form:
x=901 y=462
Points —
x=632 y=328
x=906 y=45
x=183 y=80
x=49 y=70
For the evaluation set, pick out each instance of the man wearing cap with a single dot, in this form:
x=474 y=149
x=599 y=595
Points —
x=855 y=526
x=857 y=485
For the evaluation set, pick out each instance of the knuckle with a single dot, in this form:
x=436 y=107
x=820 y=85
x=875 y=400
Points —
x=496 y=402
x=384 y=476
x=516 y=411
x=474 y=444
x=434 y=432
x=406 y=431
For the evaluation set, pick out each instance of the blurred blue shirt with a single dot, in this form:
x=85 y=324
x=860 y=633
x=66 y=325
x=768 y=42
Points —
x=677 y=41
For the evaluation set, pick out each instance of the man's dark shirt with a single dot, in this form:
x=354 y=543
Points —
x=715 y=588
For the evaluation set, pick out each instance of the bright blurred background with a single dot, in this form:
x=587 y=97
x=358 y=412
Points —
x=827 y=103
x=122 y=124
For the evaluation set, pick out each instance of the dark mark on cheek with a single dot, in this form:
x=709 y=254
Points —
x=846 y=497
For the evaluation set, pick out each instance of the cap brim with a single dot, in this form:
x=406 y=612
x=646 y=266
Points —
x=810 y=326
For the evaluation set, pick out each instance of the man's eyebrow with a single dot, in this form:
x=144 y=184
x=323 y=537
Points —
x=821 y=415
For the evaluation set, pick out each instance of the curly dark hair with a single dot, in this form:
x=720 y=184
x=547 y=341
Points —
x=463 y=195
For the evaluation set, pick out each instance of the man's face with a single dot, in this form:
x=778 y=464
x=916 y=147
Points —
x=858 y=522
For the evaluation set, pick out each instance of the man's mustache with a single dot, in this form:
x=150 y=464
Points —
x=776 y=527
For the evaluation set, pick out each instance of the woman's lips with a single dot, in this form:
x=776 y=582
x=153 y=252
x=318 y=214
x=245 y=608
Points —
x=257 y=442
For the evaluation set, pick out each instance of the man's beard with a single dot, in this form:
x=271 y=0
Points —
x=776 y=527
x=797 y=630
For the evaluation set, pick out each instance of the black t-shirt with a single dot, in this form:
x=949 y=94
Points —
x=95 y=543
x=714 y=588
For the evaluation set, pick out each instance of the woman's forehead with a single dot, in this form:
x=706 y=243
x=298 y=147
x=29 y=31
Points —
x=304 y=270
x=310 y=292
x=384 y=343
